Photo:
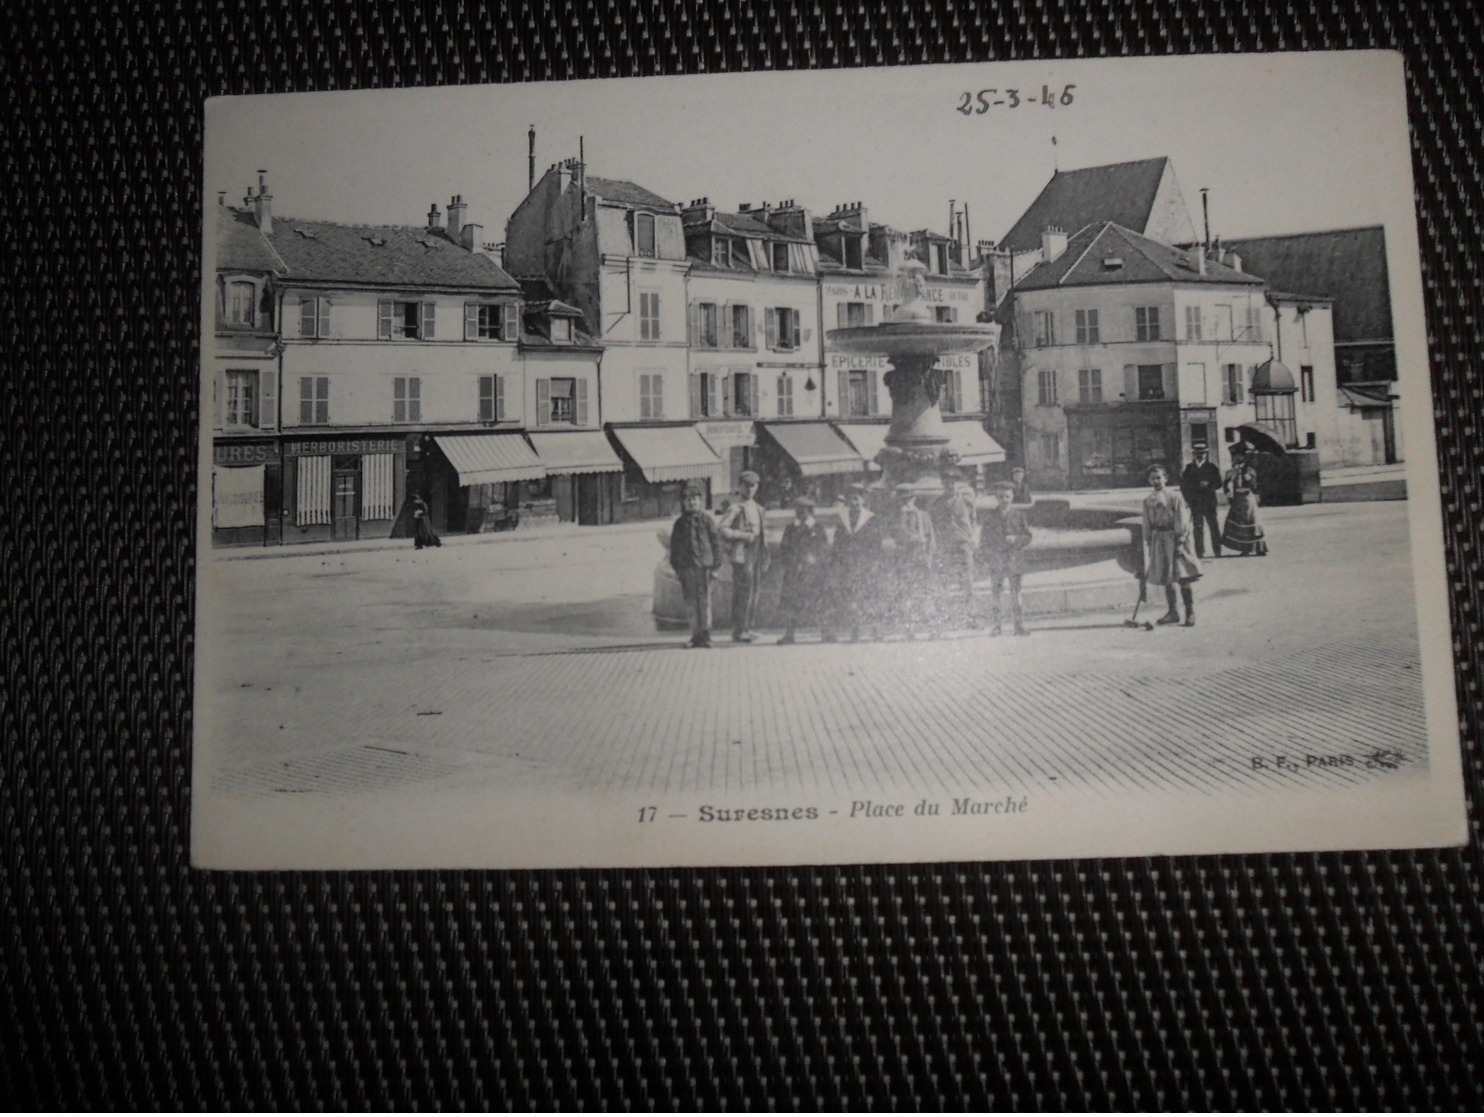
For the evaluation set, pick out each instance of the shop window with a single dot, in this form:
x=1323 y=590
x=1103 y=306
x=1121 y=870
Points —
x=314 y=317
x=314 y=400
x=945 y=313
x=785 y=396
x=784 y=328
x=491 y=399
x=855 y=314
x=651 y=395
x=397 y=320
x=407 y=399
x=644 y=234
x=1151 y=382
x=1146 y=323
x=1088 y=331
x=1046 y=387
x=649 y=315
x=1090 y=385
x=491 y=322
x=240 y=407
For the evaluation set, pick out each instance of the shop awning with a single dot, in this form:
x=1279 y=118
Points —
x=576 y=452
x=669 y=453
x=869 y=439
x=815 y=448
x=483 y=459
x=972 y=444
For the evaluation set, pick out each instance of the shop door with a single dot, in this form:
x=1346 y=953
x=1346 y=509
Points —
x=273 y=509
x=589 y=489
x=344 y=524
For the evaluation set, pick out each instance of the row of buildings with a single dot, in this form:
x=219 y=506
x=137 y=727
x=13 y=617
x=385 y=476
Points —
x=617 y=345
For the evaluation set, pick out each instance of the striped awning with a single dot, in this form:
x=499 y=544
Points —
x=972 y=444
x=869 y=439
x=483 y=459
x=669 y=453
x=816 y=448
x=576 y=452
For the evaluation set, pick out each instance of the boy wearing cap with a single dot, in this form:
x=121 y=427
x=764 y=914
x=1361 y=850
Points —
x=742 y=529
x=855 y=561
x=695 y=554
x=1005 y=535
x=802 y=553
x=916 y=544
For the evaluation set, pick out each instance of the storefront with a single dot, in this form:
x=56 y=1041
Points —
x=485 y=482
x=734 y=442
x=869 y=439
x=1113 y=445
x=246 y=493
x=797 y=459
x=658 y=462
x=973 y=447
x=342 y=488
x=585 y=474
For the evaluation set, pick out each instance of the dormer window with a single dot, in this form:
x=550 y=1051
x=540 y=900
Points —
x=780 y=257
x=721 y=253
x=644 y=234
x=241 y=303
x=1112 y=263
x=940 y=259
x=561 y=329
x=853 y=253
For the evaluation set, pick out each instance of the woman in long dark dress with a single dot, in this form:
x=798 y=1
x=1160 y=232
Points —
x=423 y=534
x=1243 y=532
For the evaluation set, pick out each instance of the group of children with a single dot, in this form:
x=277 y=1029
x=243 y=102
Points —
x=912 y=572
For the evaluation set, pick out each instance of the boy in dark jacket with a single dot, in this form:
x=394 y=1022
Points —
x=1005 y=536
x=695 y=553
x=803 y=552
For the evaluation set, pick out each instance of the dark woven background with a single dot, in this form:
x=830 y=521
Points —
x=128 y=980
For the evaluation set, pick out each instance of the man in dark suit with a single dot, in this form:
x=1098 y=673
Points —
x=1200 y=481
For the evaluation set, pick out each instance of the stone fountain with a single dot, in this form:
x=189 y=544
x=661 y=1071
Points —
x=916 y=443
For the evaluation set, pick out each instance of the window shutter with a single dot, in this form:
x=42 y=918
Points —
x=510 y=322
x=1131 y=381
x=306 y=400
x=486 y=410
x=384 y=319
x=399 y=399
x=695 y=394
x=414 y=399
x=754 y=393
x=471 y=321
x=322 y=327
x=499 y=397
x=267 y=401
x=726 y=395
x=543 y=402
x=795 y=317
x=842 y=315
x=713 y=394
x=427 y=318
x=870 y=314
x=218 y=390
x=581 y=408
x=871 y=402
x=842 y=381
x=771 y=315
x=322 y=403
x=693 y=325
x=306 y=317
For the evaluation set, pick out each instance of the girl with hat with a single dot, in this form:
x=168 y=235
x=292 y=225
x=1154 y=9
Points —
x=1243 y=533
x=1168 y=547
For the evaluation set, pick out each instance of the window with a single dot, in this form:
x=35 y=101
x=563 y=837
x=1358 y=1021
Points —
x=945 y=313
x=563 y=403
x=411 y=321
x=561 y=329
x=314 y=317
x=649 y=315
x=644 y=234
x=744 y=393
x=721 y=253
x=1090 y=385
x=940 y=259
x=314 y=400
x=561 y=400
x=407 y=399
x=783 y=328
x=1088 y=332
x=1046 y=387
x=853 y=251
x=651 y=395
x=491 y=399
x=1233 y=384
x=240 y=408
x=705 y=395
x=785 y=396
x=952 y=400
x=855 y=314
x=780 y=257
x=1194 y=327
x=741 y=327
x=240 y=303
x=1151 y=382
x=1253 y=332
x=703 y=332
x=1045 y=327
x=1146 y=323
x=1050 y=450
x=1306 y=383
x=491 y=322
x=858 y=393
x=1224 y=320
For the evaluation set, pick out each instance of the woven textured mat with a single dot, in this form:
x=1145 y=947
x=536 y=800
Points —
x=130 y=981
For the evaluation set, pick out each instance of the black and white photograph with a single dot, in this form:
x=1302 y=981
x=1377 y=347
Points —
x=934 y=463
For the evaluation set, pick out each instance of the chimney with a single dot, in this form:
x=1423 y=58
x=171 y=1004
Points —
x=1234 y=261
x=435 y=218
x=1198 y=258
x=264 y=205
x=469 y=236
x=564 y=175
x=699 y=212
x=744 y=207
x=794 y=220
x=456 y=210
x=1053 y=243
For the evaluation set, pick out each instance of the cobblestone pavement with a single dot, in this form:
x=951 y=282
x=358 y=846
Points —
x=536 y=665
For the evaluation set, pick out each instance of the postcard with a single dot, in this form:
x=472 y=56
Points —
x=935 y=463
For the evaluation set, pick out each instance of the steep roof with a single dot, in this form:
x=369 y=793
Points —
x=239 y=244
x=1087 y=262
x=1348 y=265
x=626 y=193
x=382 y=255
x=1123 y=193
x=745 y=224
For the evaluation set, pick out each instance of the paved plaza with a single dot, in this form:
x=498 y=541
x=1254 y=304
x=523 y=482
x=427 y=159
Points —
x=509 y=663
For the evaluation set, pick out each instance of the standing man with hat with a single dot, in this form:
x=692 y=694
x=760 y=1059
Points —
x=1006 y=535
x=1200 y=481
x=913 y=565
x=742 y=530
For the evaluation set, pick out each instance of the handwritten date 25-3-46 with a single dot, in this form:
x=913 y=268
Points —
x=980 y=102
